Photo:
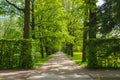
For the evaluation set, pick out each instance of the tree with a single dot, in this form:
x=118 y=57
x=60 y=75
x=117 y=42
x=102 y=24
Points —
x=33 y=19
x=108 y=19
x=90 y=23
x=26 y=11
x=72 y=9
x=49 y=25
x=8 y=30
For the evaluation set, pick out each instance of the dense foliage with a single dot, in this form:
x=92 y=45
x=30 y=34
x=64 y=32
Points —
x=16 y=54
x=55 y=25
x=103 y=53
x=108 y=20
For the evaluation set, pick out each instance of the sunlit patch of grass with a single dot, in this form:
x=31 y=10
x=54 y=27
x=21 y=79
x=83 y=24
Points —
x=77 y=53
x=77 y=58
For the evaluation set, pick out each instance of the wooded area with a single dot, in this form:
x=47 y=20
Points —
x=42 y=27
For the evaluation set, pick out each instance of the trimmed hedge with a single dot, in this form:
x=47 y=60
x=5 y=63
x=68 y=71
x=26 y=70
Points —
x=16 y=54
x=103 y=53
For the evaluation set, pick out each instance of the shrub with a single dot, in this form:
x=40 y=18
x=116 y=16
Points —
x=15 y=54
x=103 y=53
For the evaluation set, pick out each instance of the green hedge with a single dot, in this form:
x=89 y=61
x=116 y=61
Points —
x=15 y=54
x=103 y=53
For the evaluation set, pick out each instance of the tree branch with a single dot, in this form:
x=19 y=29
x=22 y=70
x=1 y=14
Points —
x=14 y=5
x=32 y=1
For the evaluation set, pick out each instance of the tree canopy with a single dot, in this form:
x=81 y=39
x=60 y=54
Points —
x=59 y=24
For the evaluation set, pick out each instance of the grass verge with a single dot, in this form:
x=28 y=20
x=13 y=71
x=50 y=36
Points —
x=77 y=58
x=40 y=61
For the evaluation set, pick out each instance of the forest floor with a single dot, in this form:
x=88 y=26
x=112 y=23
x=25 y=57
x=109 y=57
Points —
x=60 y=67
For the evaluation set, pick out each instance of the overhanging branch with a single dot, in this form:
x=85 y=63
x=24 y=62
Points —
x=14 y=5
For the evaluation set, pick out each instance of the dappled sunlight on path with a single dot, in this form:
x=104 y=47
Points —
x=59 y=67
x=59 y=64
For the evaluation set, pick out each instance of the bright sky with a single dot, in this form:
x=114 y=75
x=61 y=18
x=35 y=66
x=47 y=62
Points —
x=100 y=2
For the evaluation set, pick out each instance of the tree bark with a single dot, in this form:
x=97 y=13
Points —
x=26 y=11
x=92 y=26
x=92 y=20
x=42 y=48
x=84 y=46
x=33 y=20
x=26 y=19
x=71 y=49
x=47 y=52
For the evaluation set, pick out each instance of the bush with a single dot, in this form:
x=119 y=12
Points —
x=15 y=54
x=103 y=53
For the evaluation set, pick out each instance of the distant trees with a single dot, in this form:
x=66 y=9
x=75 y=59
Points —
x=49 y=25
x=72 y=11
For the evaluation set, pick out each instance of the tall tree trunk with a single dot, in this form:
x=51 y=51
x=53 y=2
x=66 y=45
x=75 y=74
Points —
x=26 y=11
x=42 y=52
x=92 y=26
x=91 y=32
x=67 y=49
x=92 y=20
x=47 y=52
x=71 y=49
x=26 y=19
x=84 y=46
x=33 y=20
x=42 y=48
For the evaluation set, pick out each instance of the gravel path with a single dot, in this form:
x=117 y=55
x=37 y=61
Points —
x=59 y=68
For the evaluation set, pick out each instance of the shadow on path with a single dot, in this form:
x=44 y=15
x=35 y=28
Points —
x=60 y=67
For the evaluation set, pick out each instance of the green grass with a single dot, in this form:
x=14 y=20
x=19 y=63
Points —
x=78 y=59
x=40 y=61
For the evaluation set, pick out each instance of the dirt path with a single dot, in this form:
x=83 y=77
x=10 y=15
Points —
x=58 y=68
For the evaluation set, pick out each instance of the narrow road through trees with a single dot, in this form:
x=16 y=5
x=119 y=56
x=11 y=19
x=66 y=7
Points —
x=59 y=67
